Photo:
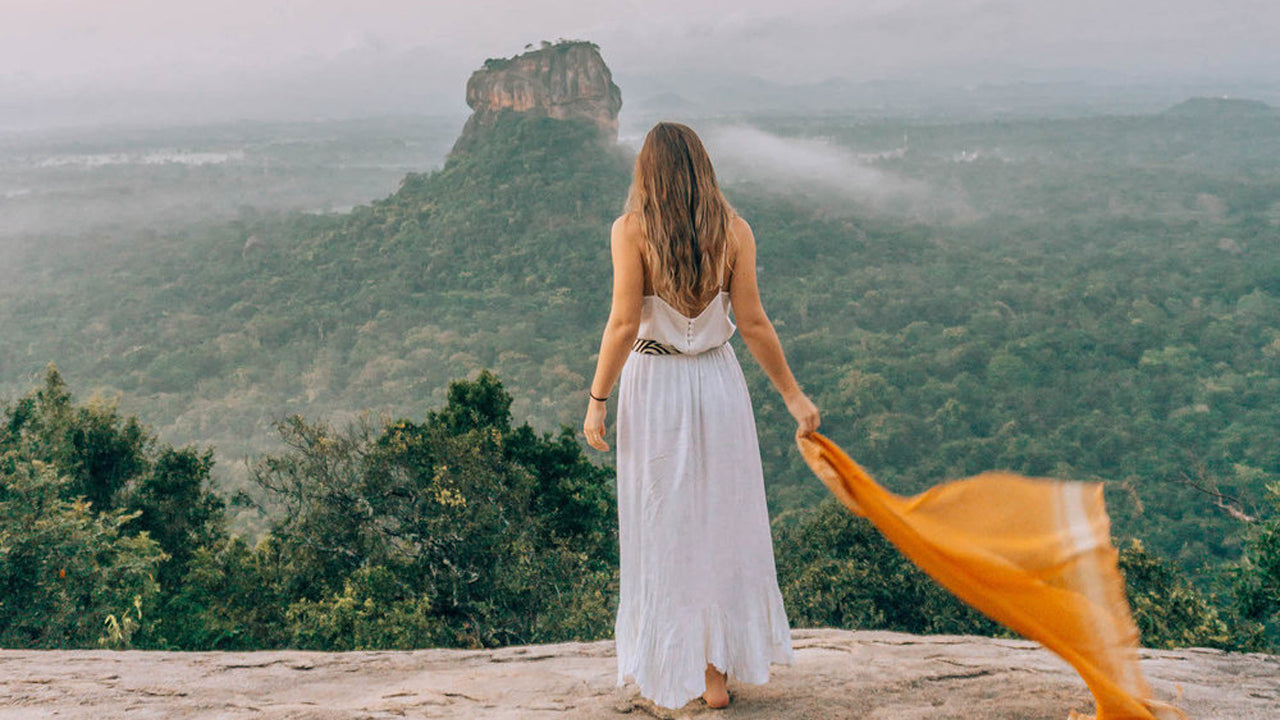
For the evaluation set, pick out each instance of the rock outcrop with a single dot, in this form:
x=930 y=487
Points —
x=837 y=674
x=563 y=81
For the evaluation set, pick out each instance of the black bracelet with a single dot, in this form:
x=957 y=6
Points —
x=593 y=396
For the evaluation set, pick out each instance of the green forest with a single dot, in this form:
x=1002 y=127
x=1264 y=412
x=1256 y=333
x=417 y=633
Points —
x=458 y=530
x=1093 y=299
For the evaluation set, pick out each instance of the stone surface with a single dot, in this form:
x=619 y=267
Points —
x=838 y=674
x=562 y=81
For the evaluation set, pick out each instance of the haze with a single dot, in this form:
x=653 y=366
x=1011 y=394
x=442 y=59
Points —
x=76 y=62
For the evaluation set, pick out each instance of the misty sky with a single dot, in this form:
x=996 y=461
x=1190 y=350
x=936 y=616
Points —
x=72 y=57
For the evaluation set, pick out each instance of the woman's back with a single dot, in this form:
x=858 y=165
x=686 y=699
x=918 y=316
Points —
x=697 y=580
x=698 y=589
x=663 y=328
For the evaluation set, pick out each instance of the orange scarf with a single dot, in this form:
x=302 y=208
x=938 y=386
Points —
x=1032 y=554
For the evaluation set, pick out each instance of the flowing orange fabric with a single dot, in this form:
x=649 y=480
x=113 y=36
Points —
x=1033 y=554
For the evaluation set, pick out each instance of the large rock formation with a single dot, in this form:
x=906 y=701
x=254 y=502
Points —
x=563 y=81
x=837 y=674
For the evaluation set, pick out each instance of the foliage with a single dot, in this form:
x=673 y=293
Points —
x=65 y=570
x=374 y=610
x=106 y=480
x=561 y=45
x=1106 y=310
x=120 y=630
x=488 y=535
x=1170 y=612
x=460 y=530
x=230 y=599
x=1256 y=578
x=92 y=444
x=456 y=531
x=836 y=570
x=1101 y=302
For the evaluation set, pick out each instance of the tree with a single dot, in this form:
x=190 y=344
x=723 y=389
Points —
x=120 y=492
x=1257 y=577
x=837 y=570
x=65 y=570
x=96 y=448
x=487 y=535
x=1167 y=609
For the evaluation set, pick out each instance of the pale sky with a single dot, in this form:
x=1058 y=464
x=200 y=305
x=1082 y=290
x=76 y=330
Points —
x=59 y=55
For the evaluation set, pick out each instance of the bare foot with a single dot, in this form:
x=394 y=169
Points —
x=716 y=695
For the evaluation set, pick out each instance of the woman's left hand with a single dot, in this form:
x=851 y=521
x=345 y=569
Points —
x=593 y=426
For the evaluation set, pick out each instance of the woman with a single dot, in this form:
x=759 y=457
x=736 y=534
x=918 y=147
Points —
x=699 y=601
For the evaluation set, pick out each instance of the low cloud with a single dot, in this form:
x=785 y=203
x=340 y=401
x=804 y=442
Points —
x=745 y=153
x=835 y=177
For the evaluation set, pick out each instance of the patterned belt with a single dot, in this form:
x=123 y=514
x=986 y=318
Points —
x=653 y=347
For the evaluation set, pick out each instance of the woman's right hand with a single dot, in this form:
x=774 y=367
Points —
x=805 y=413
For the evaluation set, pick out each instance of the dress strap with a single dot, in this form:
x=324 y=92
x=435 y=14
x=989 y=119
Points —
x=724 y=263
x=724 y=267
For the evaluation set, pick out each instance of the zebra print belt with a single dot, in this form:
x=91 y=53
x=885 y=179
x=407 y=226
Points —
x=653 y=347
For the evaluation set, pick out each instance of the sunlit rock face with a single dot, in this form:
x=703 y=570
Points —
x=563 y=81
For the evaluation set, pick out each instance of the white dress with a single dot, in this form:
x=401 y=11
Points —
x=698 y=582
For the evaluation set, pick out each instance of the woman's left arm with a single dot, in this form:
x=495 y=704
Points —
x=622 y=327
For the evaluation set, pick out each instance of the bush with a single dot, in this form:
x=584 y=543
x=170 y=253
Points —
x=111 y=484
x=66 y=571
x=836 y=570
x=485 y=535
x=1256 y=585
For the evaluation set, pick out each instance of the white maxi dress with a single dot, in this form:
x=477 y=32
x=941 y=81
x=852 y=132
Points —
x=698 y=582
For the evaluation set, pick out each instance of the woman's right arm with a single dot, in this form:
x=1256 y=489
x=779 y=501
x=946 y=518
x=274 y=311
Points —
x=758 y=333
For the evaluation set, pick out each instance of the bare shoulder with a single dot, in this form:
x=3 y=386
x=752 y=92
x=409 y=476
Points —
x=628 y=221
x=741 y=230
x=627 y=227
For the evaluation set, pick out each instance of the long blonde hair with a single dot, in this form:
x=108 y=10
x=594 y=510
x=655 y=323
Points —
x=684 y=216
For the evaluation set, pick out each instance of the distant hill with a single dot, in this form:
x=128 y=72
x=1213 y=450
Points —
x=1221 y=107
x=668 y=102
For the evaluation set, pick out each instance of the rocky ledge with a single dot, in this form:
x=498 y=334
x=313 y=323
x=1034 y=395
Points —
x=837 y=674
